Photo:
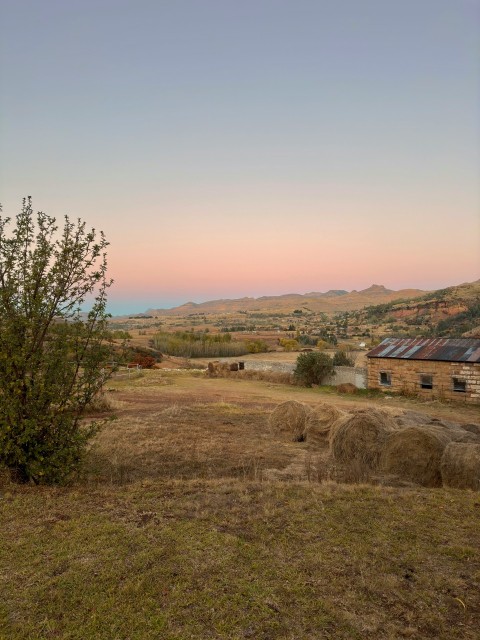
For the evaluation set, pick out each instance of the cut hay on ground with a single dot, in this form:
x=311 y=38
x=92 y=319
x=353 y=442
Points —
x=414 y=454
x=460 y=466
x=321 y=421
x=359 y=439
x=289 y=420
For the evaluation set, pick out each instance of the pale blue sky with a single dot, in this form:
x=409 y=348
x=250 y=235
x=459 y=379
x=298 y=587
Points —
x=182 y=127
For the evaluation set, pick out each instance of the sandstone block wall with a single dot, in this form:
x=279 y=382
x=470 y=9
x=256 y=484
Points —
x=406 y=378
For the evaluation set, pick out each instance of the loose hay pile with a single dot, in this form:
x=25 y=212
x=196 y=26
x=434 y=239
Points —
x=360 y=438
x=346 y=387
x=460 y=466
x=414 y=454
x=322 y=420
x=289 y=420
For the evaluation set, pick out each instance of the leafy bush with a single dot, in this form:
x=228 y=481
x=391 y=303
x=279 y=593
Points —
x=120 y=334
x=257 y=346
x=289 y=344
x=51 y=356
x=343 y=358
x=312 y=368
x=145 y=361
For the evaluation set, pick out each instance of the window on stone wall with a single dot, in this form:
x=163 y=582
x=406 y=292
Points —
x=385 y=378
x=459 y=385
x=426 y=381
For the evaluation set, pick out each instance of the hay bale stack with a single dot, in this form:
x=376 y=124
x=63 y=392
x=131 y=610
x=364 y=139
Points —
x=289 y=420
x=359 y=439
x=321 y=420
x=414 y=454
x=460 y=466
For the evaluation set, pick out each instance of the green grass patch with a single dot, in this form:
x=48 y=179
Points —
x=234 y=559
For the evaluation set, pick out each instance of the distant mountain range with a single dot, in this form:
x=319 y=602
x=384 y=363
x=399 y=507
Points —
x=335 y=300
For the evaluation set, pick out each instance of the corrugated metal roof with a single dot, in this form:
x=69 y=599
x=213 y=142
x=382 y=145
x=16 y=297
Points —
x=447 y=349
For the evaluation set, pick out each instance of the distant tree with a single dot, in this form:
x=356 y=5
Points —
x=312 y=368
x=145 y=361
x=257 y=346
x=289 y=344
x=51 y=355
x=343 y=358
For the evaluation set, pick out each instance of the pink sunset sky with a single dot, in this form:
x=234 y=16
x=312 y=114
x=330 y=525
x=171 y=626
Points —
x=244 y=149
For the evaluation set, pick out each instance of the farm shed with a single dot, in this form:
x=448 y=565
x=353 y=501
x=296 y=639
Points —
x=428 y=367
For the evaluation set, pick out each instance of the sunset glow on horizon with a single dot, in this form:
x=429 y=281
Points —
x=234 y=149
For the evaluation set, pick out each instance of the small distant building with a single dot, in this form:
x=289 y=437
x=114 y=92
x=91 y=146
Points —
x=428 y=367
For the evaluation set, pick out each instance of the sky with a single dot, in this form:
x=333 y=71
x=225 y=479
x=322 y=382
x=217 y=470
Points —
x=249 y=148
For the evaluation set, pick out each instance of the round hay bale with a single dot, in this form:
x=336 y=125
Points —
x=289 y=420
x=412 y=419
x=414 y=454
x=472 y=428
x=346 y=387
x=460 y=466
x=359 y=439
x=466 y=437
x=320 y=422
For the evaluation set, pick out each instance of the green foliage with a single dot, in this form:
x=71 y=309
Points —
x=343 y=358
x=326 y=334
x=307 y=340
x=461 y=322
x=119 y=334
x=312 y=368
x=289 y=344
x=198 y=345
x=51 y=356
x=257 y=346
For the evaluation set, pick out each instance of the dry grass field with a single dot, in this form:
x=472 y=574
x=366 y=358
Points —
x=191 y=521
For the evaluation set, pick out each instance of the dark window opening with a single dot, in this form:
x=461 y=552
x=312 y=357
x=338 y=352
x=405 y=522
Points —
x=459 y=385
x=426 y=382
x=385 y=378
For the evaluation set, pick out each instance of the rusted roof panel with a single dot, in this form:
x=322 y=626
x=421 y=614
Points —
x=446 y=349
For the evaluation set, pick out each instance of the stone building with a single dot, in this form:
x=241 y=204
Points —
x=427 y=367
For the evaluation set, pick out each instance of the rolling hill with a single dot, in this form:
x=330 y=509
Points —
x=454 y=311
